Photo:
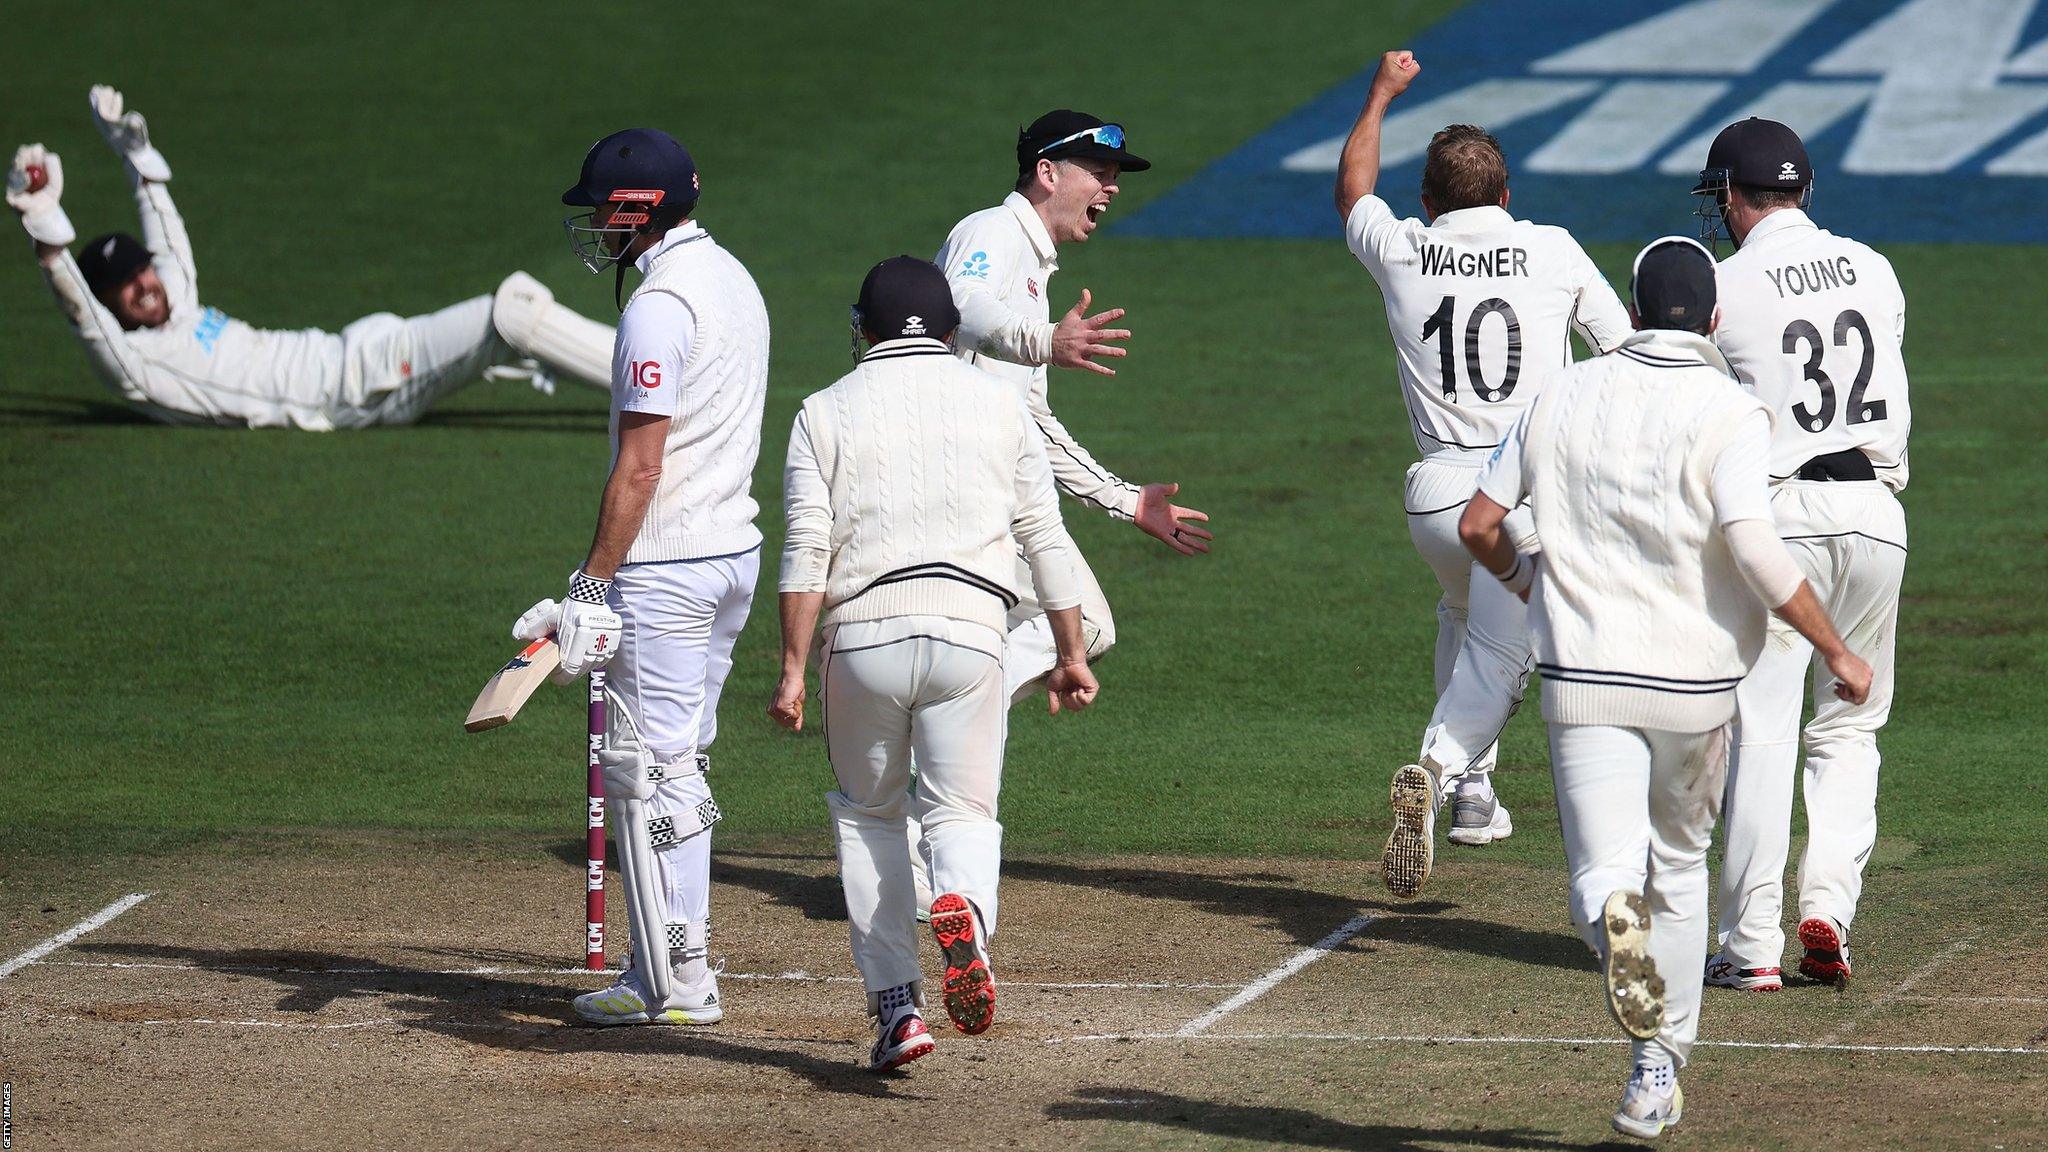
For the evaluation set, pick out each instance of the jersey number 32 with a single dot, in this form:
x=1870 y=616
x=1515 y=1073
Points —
x=1817 y=419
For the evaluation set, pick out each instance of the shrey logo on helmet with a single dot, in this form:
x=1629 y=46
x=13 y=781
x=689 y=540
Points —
x=1922 y=125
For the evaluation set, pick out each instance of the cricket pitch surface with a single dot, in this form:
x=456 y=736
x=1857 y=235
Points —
x=367 y=992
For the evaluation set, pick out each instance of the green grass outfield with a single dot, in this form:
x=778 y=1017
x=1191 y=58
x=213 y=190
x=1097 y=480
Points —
x=222 y=631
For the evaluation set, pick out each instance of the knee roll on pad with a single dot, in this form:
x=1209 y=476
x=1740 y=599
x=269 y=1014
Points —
x=517 y=309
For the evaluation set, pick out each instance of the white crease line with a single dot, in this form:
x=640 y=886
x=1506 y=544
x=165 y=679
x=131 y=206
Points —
x=1904 y=986
x=1363 y=1038
x=1048 y=985
x=97 y=920
x=1972 y=999
x=1266 y=983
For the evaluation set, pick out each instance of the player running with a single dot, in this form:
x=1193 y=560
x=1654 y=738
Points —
x=135 y=305
x=912 y=485
x=1481 y=306
x=1813 y=323
x=670 y=576
x=999 y=262
x=1645 y=473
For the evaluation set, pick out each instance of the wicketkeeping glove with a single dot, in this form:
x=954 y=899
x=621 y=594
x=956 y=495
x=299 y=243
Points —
x=127 y=134
x=41 y=212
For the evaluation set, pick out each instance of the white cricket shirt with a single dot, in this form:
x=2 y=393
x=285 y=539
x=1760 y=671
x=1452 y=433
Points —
x=1813 y=323
x=1480 y=306
x=1000 y=262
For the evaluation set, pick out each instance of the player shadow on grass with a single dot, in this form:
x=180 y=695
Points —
x=495 y=1011
x=65 y=411
x=518 y=419
x=1294 y=1126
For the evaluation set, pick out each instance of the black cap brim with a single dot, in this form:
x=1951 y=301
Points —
x=1090 y=150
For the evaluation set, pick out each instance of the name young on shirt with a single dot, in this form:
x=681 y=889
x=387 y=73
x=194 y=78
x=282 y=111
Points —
x=1438 y=260
x=1812 y=276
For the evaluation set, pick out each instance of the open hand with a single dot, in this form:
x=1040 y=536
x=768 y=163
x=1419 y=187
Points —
x=127 y=133
x=1177 y=527
x=1080 y=336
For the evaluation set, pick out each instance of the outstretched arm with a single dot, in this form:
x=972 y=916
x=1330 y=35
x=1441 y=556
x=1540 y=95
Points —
x=1358 y=169
x=163 y=230
x=35 y=187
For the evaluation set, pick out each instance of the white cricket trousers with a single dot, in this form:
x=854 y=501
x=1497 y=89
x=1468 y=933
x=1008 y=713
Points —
x=931 y=687
x=1849 y=540
x=1483 y=652
x=1028 y=649
x=1637 y=806
x=394 y=368
x=681 y=618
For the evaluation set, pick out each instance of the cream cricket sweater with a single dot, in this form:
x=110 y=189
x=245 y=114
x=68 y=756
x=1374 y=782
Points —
x=912 y=484
x=1639 y=614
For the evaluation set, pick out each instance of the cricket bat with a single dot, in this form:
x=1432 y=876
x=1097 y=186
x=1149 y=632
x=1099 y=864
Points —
x=502 y=698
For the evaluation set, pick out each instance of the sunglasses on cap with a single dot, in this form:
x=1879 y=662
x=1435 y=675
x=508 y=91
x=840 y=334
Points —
x=1107 y=135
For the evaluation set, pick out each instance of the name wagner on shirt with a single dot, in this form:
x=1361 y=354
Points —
x=1438 y=260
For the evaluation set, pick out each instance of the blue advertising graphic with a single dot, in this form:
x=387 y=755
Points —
x=1925 y=119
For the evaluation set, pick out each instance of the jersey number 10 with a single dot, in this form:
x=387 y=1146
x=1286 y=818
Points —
x=1817 y=419
x=1439 y=325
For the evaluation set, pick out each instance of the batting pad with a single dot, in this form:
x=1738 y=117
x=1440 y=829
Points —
x=525 y=313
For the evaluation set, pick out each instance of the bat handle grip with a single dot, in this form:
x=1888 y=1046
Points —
x=593 y=895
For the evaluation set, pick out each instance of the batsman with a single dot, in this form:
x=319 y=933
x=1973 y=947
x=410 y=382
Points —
x=670 y=576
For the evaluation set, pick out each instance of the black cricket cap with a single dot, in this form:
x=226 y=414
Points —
x=1672 y=285
x=112 y=260
x=1064 y=134
x=1759 y=153
x=643 y=160
x=905 y=296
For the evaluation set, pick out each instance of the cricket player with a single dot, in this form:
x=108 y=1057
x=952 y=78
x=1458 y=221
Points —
x=1000 y=263
x=670 y=575
x=1646 y=473
x=912 y=484
x=135 y=305
x=1481 y=306
x=1813 y=324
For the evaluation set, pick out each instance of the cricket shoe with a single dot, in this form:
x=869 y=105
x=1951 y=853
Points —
x=1479 y=820
x=1635 y=992
x=1827 y=953
x=968 y=991
x=1650 y=1103
x=1723 y=973
x=626 y=1002
x=1411 y=846
x=899 y=1040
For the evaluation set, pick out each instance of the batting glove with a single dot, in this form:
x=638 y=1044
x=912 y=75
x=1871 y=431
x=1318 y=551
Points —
x=41 y=213
x=589 y=630
x=127 y=134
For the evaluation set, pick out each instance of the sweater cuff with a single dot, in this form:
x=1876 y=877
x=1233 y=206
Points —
x=803 y=570
x=1038 y=344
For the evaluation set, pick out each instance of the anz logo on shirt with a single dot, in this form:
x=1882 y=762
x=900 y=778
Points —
x=1927 y=120
x=212 y=322
x=976 y=266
